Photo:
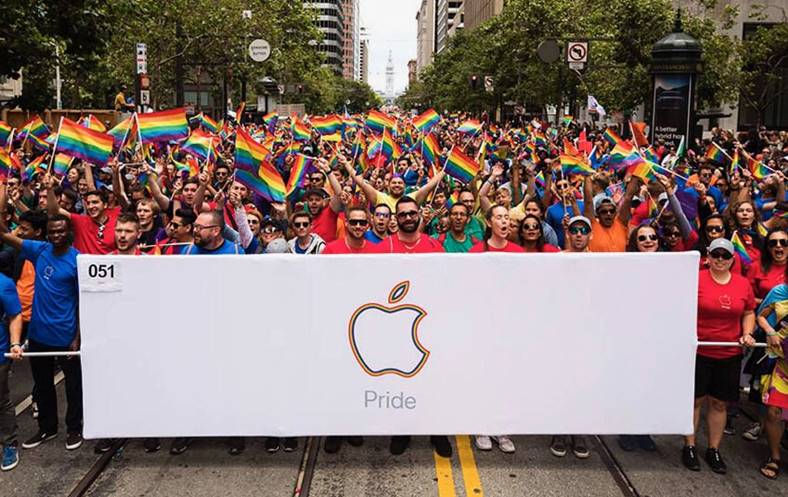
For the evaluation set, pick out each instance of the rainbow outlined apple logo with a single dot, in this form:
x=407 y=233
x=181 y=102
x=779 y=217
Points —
x=378 y=338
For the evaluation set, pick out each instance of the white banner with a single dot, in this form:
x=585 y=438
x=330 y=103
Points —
x=378 y=345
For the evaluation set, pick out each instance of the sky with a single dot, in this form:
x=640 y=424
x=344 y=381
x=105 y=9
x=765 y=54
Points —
x=391 y=25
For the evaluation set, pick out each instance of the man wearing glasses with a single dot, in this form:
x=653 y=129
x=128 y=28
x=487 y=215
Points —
x=179 y=233
x=324 y=217
x=305 y=242
x=566 y=206
x=577 y=232
x=380 y=224
x=608 y=224
x=208 y=238
x=354 y=241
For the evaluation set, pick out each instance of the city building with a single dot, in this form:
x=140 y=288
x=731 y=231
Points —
x=351 y=53
x=412 y=74
x=445 y=16
x=390 y=79
x=331 y=22
x=479 y=11
x=364 y=59
x=458 y=23
x=425 y=34
x=10 y=88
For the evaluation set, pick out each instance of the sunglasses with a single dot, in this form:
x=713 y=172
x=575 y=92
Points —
x=580 y=230
x=672 y=234
x=721 y=254
x=302 y=225
x=604 y=212
x=530 y=227
x=268 y=230
x=782 y=242
x=175 y=225
x=404 y=215
x=316 y=178
x=714 y=229
x=358 y=222
x=643 y=238
x=383 y=215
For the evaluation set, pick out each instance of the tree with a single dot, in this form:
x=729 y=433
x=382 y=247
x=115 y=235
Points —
x=765 y=57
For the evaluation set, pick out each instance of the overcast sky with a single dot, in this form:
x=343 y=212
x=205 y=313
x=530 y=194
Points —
x=391 y=25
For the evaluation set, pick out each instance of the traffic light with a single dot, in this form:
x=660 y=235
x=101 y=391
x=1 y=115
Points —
x=474 y=82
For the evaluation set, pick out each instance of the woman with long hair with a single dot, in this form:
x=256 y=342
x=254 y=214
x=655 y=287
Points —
x=644 y=238
x=532 y=238
x=496 y=237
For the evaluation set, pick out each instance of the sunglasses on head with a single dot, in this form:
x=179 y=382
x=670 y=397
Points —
x=579 y=230
x=782 y=242
x=714 y=229
x=721 y=254
x=358 y=222
x=643 y=238
x=382 y=214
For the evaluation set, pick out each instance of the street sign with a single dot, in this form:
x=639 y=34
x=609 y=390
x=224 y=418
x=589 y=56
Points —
x=144 y=97
x=548 y=51
x=142 y=58
x=142 y=67
x=281 y=89
x=577 y=51
x=576 y=66
x=488 y=84
x=259 y=50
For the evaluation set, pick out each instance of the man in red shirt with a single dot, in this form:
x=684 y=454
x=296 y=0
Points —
x=354 y=242
x=408 y=239
x=324 y=216
x=94 y=233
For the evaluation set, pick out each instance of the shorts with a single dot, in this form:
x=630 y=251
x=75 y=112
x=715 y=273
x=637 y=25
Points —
x=718 y=378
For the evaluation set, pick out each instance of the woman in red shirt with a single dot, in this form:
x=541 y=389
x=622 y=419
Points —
x=498 y=226
x=532 y=236
x=769 y=271
x=726 y=313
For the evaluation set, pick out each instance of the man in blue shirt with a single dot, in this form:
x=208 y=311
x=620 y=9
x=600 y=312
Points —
x=208 y=236
x=53 y=327
x=10 y=340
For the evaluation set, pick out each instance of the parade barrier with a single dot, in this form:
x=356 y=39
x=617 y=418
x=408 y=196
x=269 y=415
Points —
x=390 y=344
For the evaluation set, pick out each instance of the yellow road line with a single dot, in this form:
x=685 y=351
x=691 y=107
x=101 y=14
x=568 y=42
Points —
x=445 y=477
x=470 y=473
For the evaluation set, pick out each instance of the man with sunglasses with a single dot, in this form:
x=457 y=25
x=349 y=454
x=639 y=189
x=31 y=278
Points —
x=324 y=215
x=179 y=232
x=567 y=206
x=705 y=175
x=356 y=224
x=380 y=224
x=609 y=224
x=578 y=234
x=305 y=242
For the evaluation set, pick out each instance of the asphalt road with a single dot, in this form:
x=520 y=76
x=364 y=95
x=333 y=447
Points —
x=206 y=469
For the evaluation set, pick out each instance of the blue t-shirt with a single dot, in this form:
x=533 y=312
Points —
x=9 y=307
x=54 y=318
x=370 y=236
x=225 y=248
x=555 y=218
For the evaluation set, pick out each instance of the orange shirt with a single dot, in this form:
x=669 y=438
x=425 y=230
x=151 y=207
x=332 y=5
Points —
x=24 y=287
x=612 y=239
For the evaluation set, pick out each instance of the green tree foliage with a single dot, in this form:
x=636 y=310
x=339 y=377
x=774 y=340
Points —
x=765 y=57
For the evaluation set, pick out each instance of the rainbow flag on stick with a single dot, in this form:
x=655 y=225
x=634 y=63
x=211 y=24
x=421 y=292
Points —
x=6 y=164
x=167 y=125
x=206 y=122
x=758 y=169
x=611 y=137
x=643 y=170
x=91 y=122
x=426 y=121
x=378 y=121
x=254 y=183
x=82 y=143
x=248 y=153
x=461 y=167
x=715 y=154
x=122 y=131
x=61 y=164
x=270 y=121
x=430 y=149
x=300 y=131
x=390 y=147
x=37 y=127
x=33 y=167
x=327 y=125
x=741 y=249
x=5 y=133
x=573 y=164
x=198 y=144
x=302 y=166
x=38 y=143
x=470 y=127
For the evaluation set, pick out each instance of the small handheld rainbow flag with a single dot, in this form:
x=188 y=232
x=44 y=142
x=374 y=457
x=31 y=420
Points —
x=37 y=142
x=35 y=126
x=390 y=148
x=167 y=125
x=461 y=167
x=378 y=121
x=567 y=120
x=757 y=168
x=425 y=121
x=61 y=164
x=301 y=167
x=575 y=165
x=470 y=127
x=430 y=149
x=644 y=170
x=205 y=122
x=300 y=131
x=539 y=139
x=91 y=122
x=5 y=133
x=735 y=163
x=611 y=137
x=248 y=153
x=6 y=164
x=326 y=125
x=83 y=143
x=741 y=249
x=123 y=130
x=715 y=154
x=33 y=167
x=198 y=144
x=270 y=121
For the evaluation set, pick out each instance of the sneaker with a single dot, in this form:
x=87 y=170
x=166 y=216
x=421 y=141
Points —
x=714 y=459
x=34 y=410
x=579 y=448
x=753 y=432
x=729 y=428
x=628 y=443
x=482 y=442
x=689 y=458
x=646 y=443
x=332 y=445
x=10 y=457
x=103 y=445
x=558 y=446
x=272 y=445
x=356 y=441
x=505 y=444
x=290 y=444
x=38 y=439
x=442 y=445
x=74 y=441
x=179 y=445
x=399 y=444
x=151 y=445
x=237 y=446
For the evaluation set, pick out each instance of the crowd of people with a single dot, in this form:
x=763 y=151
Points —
x=360 y=194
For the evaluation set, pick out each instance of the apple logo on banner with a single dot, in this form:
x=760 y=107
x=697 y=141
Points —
x=385 y=339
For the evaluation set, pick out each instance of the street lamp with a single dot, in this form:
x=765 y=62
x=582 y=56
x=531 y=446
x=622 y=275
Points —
x=58 y=82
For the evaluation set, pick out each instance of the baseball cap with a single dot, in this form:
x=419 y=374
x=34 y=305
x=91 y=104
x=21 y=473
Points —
x=600 y=198
x=580 y=219
x=276 y=223
x=278 y=246
x=662 y=196
x=316 y=191
x=721 y=243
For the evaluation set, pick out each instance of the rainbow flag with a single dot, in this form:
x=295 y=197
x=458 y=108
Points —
x=167 y=125
x=326 y=125
x=270 y=121
x=611 y=136
x=461 y=167
x=539 y=139
x=715 y=154
x=188 y=167
x=6 y=164
x=643 y=170
x=248 y=153
x=623 y=155
x=83 y=143
x=572 y=164
x=91 y=122
x=757 y=168
x=470 y=127
x=36 y=126
x=39 y=143
x=389 y=146
x=425 y=121
x=567 y=120
x=273 y=181
x=378 y=121
x=302 y=166
x=123 y=130
x=254 y=183
x=206 y=122
x=61 y=164
x=300 y=131
x=736 y=162
x=199 y=144
x=33 y=167
x=239 y=112
x=741 y=249
x=5 y=133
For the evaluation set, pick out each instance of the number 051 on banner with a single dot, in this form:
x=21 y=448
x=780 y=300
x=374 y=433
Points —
x=101 y=275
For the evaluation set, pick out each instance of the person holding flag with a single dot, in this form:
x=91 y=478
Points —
x=609 y=223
